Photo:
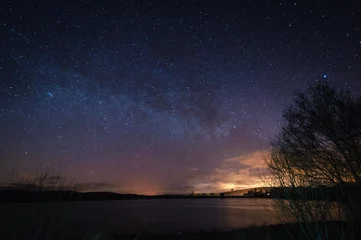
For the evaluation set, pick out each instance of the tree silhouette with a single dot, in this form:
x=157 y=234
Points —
x=319 y=145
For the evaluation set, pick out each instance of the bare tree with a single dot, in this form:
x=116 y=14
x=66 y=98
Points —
x=318 y=148
x=42 y=186
x=44 y=180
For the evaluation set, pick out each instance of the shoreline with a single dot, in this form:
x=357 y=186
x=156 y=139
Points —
x=275 y=231
x=30 y=196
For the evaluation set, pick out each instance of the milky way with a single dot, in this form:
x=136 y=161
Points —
x=162 y=96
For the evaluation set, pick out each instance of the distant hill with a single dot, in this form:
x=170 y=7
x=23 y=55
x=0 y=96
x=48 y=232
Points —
x=21 y=196
x=30 y=196
x=27 y=196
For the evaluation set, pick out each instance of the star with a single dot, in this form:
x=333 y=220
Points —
x=122 y=91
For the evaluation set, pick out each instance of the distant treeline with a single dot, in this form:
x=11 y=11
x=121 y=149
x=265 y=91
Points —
x=301 y=193
x=335 y=193
x=31 y=196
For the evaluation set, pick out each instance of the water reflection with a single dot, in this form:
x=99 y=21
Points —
x=134 y=216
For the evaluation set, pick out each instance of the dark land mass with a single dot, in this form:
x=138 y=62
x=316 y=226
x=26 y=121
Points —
x=326 y=230
x=32 y=196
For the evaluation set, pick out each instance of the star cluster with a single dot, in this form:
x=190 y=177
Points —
x=162 y=96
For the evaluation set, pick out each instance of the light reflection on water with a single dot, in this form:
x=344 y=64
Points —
x=134 y=216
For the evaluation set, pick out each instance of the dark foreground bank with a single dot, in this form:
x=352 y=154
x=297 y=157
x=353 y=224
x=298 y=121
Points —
x=263 y=232
x=325 y=230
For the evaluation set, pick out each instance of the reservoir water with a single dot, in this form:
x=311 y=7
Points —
x=137 y=216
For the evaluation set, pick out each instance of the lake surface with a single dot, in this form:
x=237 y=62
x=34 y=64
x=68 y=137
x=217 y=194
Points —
x=138 y=216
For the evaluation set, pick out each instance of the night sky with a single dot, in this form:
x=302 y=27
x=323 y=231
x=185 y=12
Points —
x=161 y=96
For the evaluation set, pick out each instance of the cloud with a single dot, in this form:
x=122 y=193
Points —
x=239 y=172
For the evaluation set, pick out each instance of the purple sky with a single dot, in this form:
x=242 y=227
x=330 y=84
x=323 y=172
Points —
x=161 y=96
